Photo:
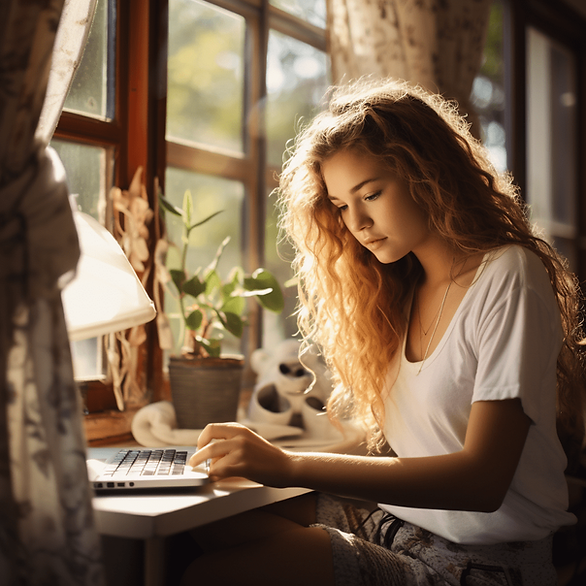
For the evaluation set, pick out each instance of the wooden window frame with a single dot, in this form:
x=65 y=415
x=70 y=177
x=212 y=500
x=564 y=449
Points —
x=133 y=140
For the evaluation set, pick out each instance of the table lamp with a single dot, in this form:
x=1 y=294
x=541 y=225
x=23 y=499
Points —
x=106 y=295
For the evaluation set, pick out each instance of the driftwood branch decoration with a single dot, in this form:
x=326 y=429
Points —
x=132 y=215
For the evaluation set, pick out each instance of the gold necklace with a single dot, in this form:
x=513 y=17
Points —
x=421 y=328
x=439 y=316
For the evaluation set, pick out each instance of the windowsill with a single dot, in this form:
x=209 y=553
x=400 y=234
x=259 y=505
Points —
x=105 y=424
x=107 y=427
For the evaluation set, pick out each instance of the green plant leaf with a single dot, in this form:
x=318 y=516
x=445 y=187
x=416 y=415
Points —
x=219 y=252
x=187 y=207
x=194 y=319
x=194 y=286
x=212 y=281
x=169 y=207
x=261 y=280
x=190 y=228
x=228 y=289
x=234 y=305
x=213 y=346
x=177 y=277
x=233 y=323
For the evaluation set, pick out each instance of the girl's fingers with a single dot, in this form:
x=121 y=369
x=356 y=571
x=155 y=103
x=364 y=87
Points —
x=219 y=431
x=234 y=450
x=215 y=449
x=212 y=442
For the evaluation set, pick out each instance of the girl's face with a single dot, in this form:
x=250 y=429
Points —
x=375 y=205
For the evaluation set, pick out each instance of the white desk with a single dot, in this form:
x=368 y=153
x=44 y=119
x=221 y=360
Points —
x=153 y=517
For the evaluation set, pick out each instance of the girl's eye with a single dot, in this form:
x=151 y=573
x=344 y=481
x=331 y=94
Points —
x=372 y=196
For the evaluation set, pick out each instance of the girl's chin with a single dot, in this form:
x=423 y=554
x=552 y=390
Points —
x=387 y=257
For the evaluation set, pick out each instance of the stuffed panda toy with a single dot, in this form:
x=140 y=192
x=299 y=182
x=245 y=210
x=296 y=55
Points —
x=291 y=391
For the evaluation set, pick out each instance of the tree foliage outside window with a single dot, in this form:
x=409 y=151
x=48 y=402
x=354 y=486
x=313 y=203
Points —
x=205 y=75
x=312 y=11
x=297 y=79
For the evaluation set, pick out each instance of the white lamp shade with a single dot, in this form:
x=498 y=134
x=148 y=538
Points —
x=106 y=295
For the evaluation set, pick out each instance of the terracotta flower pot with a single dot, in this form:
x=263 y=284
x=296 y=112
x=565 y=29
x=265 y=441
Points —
x=205 y=390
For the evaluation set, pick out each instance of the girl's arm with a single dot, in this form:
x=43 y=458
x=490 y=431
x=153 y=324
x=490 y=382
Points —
x=475 y=478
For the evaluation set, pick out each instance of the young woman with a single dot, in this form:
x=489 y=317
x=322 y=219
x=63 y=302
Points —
x=451 y=330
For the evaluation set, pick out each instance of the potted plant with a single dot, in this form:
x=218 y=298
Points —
x=205 y=383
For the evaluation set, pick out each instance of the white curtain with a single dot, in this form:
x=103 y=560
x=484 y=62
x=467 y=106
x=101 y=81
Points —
x=436 y=44
x=47 y=534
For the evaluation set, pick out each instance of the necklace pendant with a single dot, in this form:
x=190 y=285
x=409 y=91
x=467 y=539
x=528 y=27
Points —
x=437 y=321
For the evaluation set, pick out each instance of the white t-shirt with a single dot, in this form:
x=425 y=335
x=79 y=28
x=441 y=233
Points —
x=502 y=343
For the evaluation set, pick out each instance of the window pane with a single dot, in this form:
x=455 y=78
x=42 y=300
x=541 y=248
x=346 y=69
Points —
x=314 y=11
x=278 y=257
x=210 y=194
x=87 y=360
x=86 y=175
x=564 y=124
x=92 y=90
x=488 y=94
x=297 y=78
x=552 y=139
x=205 y=75
x=86 y=169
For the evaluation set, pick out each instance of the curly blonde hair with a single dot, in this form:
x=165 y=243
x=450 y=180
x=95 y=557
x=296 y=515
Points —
x=352 y=305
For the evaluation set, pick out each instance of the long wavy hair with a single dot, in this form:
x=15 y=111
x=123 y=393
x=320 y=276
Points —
x=352 y=305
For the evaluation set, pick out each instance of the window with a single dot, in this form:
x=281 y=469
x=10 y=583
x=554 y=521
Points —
x=101 y=145
x=88 y=160
x=488 y=92
x=240 y=77
x=529 y=102
x=552 y=140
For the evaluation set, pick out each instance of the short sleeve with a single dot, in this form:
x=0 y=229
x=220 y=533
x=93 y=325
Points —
x=519 y=341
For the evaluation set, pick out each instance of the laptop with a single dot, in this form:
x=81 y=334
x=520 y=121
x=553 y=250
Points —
x=136 y=468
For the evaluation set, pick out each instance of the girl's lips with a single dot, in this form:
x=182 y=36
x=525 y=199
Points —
x=374 y=243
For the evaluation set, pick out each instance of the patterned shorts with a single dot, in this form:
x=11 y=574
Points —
x=377 y=549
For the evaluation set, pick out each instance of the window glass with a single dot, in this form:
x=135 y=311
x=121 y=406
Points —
x=564 y=123
x=488 y=95
x=297 y=78
x=313 y=11
x=205 y=75
x=552 y=140
x=87 y=359
x=278 y=258
x=92 y=89
x=210 y=194
x=86 y=175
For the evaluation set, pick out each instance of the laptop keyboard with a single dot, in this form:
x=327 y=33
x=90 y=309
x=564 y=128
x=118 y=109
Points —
x=163 y=462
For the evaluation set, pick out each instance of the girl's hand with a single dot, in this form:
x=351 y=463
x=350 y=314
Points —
x=235 y=450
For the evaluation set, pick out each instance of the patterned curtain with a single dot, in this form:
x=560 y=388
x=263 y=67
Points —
x=437 y=44
x=46 y=524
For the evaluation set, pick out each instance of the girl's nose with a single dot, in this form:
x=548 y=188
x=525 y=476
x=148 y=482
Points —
x=358 y=220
